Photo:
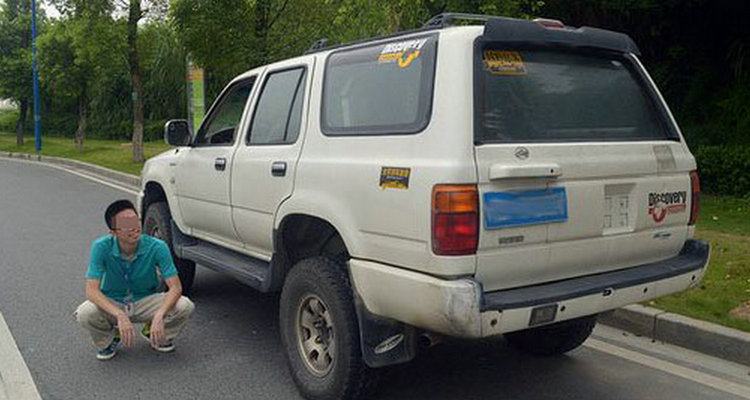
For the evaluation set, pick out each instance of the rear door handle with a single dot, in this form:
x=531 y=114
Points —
x=278 y=168
x=501 y=171
x=220 y=164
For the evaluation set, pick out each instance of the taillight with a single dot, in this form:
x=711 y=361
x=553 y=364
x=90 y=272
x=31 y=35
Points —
x=695 y=186
x=455 y=220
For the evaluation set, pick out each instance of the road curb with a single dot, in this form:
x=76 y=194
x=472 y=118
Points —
x=707 y=338
x=704 y=337
x=127 y=179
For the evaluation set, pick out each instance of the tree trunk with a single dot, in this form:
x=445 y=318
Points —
x=21 y=124
x=82 y=120
x=134 y=16
x=262 y=11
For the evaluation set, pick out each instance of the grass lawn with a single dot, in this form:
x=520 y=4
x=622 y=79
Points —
x=107 y=153
x=725 y=222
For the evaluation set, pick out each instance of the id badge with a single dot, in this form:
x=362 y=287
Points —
x=129 y=309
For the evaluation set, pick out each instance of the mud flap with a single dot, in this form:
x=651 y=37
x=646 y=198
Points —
x=384 y=341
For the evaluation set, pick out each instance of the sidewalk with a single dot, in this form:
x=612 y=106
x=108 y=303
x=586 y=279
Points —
x=715 y=340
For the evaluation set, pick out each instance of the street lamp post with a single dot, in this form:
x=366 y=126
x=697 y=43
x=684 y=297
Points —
x=35 y=78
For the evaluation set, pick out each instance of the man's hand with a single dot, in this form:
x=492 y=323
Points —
x=157 y=330
x=127 y=332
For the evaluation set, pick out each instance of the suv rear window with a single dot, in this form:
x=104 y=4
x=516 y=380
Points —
x=545 y=95
x=380 y=89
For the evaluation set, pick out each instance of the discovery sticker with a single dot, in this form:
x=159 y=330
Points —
x=394 y=177
x=403 y=53
x=502 y=62
x=662 y=204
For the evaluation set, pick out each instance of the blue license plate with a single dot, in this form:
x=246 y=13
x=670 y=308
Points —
x=525 y=207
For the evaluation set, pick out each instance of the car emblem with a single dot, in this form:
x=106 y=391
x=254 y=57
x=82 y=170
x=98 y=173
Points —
x=522 y=153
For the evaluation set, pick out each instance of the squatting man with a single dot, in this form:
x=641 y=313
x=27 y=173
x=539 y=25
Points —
x=123 y=287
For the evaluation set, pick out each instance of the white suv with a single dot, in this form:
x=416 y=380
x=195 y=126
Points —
x=517 y=178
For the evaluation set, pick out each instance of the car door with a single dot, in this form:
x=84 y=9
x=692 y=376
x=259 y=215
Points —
x=203 y=175
x=264 y=166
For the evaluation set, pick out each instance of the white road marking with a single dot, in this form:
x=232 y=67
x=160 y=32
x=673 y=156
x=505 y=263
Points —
x=82 y=175
x=670 y=368
x=16 y=382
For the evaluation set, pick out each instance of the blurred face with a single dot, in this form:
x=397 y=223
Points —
x=127 y=227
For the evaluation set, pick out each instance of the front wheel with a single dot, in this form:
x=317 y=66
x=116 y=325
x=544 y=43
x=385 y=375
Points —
x=555 y=339
x=320 y=333
x=158 y=223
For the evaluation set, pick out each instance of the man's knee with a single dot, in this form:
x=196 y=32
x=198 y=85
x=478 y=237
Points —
x=184 y=307
x=88 y=314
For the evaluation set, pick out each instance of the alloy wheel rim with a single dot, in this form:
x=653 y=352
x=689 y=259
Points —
x=315 y=339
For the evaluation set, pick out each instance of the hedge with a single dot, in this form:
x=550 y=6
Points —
x=724 y=170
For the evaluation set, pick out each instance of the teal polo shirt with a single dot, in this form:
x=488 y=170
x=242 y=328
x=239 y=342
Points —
x=138 y=276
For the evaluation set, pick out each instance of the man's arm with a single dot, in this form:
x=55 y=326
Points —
x=95 y=295
x=173 y=294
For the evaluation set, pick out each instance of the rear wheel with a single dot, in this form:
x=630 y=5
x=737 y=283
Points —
x=320 y=332
x=555 y=339
x=158 y=223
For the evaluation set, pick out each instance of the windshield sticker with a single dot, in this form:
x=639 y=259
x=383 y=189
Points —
x=662 y=204
x=501 y=62
x=403 y=53
x=394 y=177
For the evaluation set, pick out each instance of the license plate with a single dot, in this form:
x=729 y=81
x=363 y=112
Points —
x=525 y=207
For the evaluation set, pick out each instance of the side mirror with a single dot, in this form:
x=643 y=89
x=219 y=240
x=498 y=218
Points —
x=177 y=132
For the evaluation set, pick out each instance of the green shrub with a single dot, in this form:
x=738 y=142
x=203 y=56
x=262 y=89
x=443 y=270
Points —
x=153 y=131
x=724 y=170
x=8 y=119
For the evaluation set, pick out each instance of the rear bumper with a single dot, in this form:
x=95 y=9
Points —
x=460 y=308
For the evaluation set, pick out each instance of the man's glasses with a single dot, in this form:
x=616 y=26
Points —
x=127 y=230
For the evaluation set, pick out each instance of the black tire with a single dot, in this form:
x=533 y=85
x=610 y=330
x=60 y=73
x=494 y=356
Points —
x=555 y=339
x=158 y=223
x=347 y=377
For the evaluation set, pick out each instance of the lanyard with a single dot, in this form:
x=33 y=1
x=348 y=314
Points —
x=126 y=268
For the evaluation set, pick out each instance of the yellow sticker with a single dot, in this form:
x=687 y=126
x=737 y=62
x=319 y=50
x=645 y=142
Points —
x=404 y=53
x=394 y=177
x=502 y=62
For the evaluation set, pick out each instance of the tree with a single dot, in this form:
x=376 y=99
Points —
x=136 y=12
x=15 y=58
x=75 y=51
x=286 y=28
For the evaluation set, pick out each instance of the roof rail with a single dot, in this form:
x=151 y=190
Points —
x=448 y=19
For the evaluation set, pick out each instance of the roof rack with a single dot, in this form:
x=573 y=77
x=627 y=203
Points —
x=448 y=19
x=437 y=22
x=319 y=44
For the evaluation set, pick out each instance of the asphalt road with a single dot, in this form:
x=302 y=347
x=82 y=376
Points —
x=231 y=348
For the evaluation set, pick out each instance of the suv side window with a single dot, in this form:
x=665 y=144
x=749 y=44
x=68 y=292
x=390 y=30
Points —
x=221 y=125
x=279 y=111
x=381 y=89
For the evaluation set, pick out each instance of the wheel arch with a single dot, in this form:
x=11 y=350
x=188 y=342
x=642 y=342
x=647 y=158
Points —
x=154 y=191
x=299 y=236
